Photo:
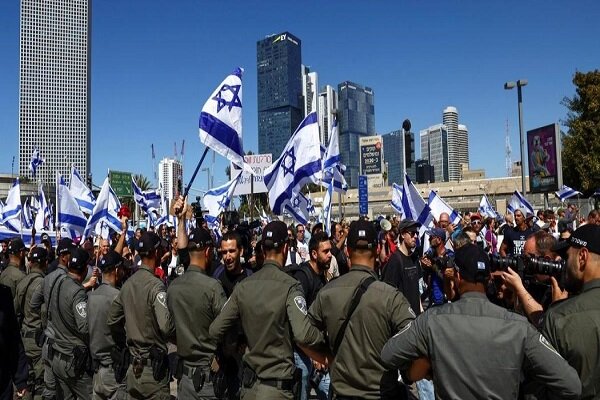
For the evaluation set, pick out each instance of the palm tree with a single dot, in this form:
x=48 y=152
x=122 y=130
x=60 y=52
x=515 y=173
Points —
x=142 y=182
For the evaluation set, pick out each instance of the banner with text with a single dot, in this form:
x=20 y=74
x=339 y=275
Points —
x=258 y=163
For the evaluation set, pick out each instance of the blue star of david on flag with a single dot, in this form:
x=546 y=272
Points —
x=223 y=202
x=289 y=162
x=235 y=99
x=296 y=201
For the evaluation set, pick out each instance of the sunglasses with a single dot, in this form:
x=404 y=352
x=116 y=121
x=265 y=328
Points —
x=411 y=233
x=476 y=223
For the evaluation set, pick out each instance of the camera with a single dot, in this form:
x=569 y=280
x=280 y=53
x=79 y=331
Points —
x=441 y=263
x=528 y=265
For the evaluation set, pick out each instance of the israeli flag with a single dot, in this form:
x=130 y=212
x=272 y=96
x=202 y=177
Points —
x=332 y=154
x=36 y=161
x=81 y=193
x=221 y=120
x=413 y=204
x=105 y=213
x=299 y=208
x=327 y=208
x=437 y=205
x=214 y=225
x=217 y=200
x=332 y=162
x=27 y=216
x=566 y=192
x=486 y=209
x=43 y=218
x=71 y=220
x=299 y=163
x=147 y=200
x=397 y=198
x=518 y=201
x=11 y=211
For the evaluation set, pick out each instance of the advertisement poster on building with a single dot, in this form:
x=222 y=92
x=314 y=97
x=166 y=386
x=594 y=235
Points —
x=545 y=168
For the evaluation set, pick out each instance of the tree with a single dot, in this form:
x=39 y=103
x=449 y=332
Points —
x=142 y=182
x=581 y=144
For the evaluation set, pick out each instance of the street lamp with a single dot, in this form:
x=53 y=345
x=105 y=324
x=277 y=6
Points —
x=208 y=180
x=519 y=84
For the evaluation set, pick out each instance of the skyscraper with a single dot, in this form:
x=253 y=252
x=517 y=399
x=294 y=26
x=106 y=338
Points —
x=356 y=118
x=394 y=155
x=280 y=104
x=170 y=175
x=434 y=148
x=328 y=104
x=54 y=86
x=310 y=88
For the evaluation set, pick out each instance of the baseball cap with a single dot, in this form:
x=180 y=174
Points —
x=65 y=245
x=79 y=259
x=148 y=241
x=408 y=225
x=16 y=245
x=475 y=217
x=385 y=225
x=274 y=235
x=45 y=238
x=587 y=236
x=110 y=260
x=199 y=238
x=437 y=232
x=362 y=235
x=38 y=254
x=472 y=263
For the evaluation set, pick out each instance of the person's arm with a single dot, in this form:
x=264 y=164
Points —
x=226 y=319
x=116 y=322
x=503 y=248
x=303 y=332
x=406 y=346
x=79 y=308
x=161 y=312
x=181 y=208
x=531 y=307
x=121 y=242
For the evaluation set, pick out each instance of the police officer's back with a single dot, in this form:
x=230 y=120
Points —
x=140 y=309
x=12 y=275
x=478 y=350
x=273 y=313
x=102 y=345
x=68 y=309
x=194 y=300
x=382 y=311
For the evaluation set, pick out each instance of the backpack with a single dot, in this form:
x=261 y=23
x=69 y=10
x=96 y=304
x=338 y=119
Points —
x=304 y=268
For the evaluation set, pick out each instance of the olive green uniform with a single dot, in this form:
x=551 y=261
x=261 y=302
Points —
x=101 y=344
x=140 y=309
x=573 y=328
x=30 y=330
x=273 y=313
x=194 y=301
x=11 y=276
x=357 y=370
x=67 y=309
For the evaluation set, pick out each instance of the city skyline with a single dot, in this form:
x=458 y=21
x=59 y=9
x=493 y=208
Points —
x=149 y=84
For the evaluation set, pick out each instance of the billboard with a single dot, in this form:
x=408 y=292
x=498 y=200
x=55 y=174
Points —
x=543 y=159
x=258 y=163
x=371 y=155
x=121 y=183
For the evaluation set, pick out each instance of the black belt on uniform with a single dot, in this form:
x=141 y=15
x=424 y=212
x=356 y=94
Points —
x=281 y=384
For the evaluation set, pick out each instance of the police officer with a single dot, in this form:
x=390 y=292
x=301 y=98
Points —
x=68 y=309
x=273 y=313
x=12 y=274
x=194 y=301
x=105 y=385
x=39 y=304
x=140 y=309
x=572 y=325
x=31 y=322
x=476 y=349
x=380 y=311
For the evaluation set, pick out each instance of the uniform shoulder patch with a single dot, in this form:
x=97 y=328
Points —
x=81 y=309
x=301 y=304
x=162 y=298
x=548 y=345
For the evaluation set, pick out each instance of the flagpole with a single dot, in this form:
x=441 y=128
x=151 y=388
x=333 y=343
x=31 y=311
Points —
x=189 y=185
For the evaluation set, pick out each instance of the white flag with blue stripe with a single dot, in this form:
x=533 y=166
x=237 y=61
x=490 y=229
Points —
x=147 y=200
x=27 y=215
x=11 y=211
x=437 y=205
x=105 y=213
x=71 y=220
x=299 y=163
x=214 y=225
x=327 y=208
x=43 y=218
x=299 y=208
x=486 y=209
x=332 y=162
x=397 y=198
x=221 y=120
x=413 y=204
x=566 y=192
x=217 y=200
x=36 y=161
x=332 y=154
x=81 y=193
x=518 y=201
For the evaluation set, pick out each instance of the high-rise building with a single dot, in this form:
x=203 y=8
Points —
x=446 y=146
x=170 y=175
x=424 y=172
x=328 y=105
x=54 y=86
x=394 y=156
x=356 y=118
x=310 y=87
x=280 y=101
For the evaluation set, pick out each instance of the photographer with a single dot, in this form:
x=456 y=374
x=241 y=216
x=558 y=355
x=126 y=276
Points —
x=434 y=262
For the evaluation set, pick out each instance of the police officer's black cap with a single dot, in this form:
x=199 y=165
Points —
x=472 y=263
x=199 y=238
x=16 y=245
x=274 y=235
x=38 y=254
x=79 y=259
x=408 y=225
x=110 y=260
x=148 y=241
x=362 y=235
x=45 y=238
x=587 y=236
x=65 y=245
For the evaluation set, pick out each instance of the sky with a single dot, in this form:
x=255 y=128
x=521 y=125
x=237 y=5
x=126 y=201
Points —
x=155 y=62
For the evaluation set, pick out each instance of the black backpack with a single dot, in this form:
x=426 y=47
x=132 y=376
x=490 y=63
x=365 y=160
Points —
x=304 y=268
